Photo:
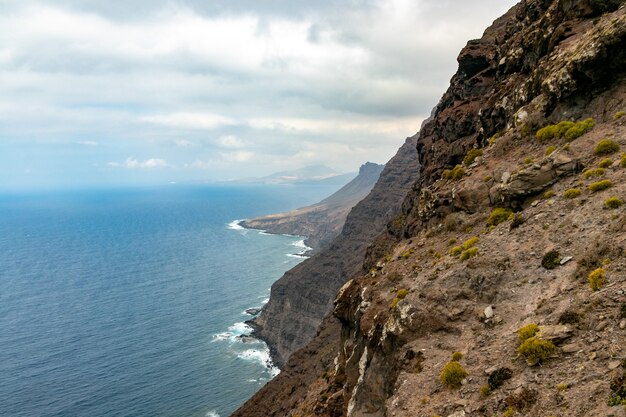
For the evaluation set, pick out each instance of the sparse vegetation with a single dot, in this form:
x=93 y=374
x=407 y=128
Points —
x=606 y=147
x=499 y=215
x=487 y=178
x=562 y=386
x=527 y=331
x=471 y=156
x=618 y=115
x=597 y=279
x=394 y=276
x=453 y=374
x=548 y=194
x=622 y=160
x=549 y=150
x=599 y=186
x=469 y=253
x=588 y=173
x=517 y=221
x=470 y=242
x=613 y=203
x=568 y=130
x=402 y=293
x=618 y=390
x=456 y=251
x=551 y=259
x=454 y=174
x=457 y=356
x=572 y=193
x=536 y=350
x=485 y=390
x=605 y=163
x=528 y=160
x=497 y=377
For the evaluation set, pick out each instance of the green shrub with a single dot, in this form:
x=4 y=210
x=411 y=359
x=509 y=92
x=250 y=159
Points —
x=499 y=215
x=528 y=160
x=469 y=253
x=579 y=129
x=622 y=160
x=456 y=251
x=613 y=202
x=605 y=163
x=402 y=293
x=548 y=194
x=470 y=242
x=485 y=390
x=605 y=147
x=452 y=241
x=455 y=173
x=572 y=193
x=598 y=172
x=471 y=156
x=546 y=133
x=597 y=279
x=453 y=374
x=549 y=150
x=618 y=115
x=562 y=386
x=528 y=331
x=457 y=356
x=394 y=303
x=487 y=178
x=551 y=259
x=536 y=350
x=599 y=186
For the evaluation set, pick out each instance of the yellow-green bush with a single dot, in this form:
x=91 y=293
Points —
x=402 y=293
x=527 y=331
x=536 y=350
x=548 y=194
x=470 y=242
x=606 y=147
x=618 y=115
x=456 y=251
x=471 y=156
x=457 y=356
x=622 y=160
x=597 y=172
x=455 y=173
x=597 y=279
x=599 y=186
x=469 y=253
x=572 y=193
x=605 y=163
x=453 y=374
x=528 y=160
x=498 y=215
x=487 y=178
x=485 y=390
x=568 y=130
x=549 y=150
x=613 y=202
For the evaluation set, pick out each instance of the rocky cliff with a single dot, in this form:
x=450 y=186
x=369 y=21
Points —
x=321 y=222
x=500 y=290
x=300 y=299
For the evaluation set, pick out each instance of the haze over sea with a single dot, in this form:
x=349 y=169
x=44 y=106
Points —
x=128 y=302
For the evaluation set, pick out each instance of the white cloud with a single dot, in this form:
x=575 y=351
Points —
x=133 y=163
x=190 y=120
x=231 y=141
x=183 y=143
x=87 y=142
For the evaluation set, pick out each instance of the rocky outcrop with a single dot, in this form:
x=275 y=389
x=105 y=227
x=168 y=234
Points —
x=304 y=295
x=320 y=223
x=461 y=270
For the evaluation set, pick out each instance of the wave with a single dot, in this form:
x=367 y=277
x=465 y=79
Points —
x=236 y=225
x=297 y=255
x=261 y=356
x=304 y=248
x=212 y=413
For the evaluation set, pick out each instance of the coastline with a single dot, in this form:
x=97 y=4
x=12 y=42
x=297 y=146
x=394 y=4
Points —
x=256 y=329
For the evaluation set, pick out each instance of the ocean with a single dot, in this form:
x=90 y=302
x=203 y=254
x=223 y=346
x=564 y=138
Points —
x=130 y=302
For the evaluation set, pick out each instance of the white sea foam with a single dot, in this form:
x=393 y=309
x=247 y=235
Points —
x=297 y=255
x=261 y=356
x=303 y=248
x=240 y=329
x=265 y=301
x=212 y=413
x=235 y=225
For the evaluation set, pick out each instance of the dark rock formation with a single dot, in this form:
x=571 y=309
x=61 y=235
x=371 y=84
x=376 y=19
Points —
x=321 y=222
x=301 y=298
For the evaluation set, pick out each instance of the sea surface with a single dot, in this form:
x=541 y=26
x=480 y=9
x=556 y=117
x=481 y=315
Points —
x=130 y=302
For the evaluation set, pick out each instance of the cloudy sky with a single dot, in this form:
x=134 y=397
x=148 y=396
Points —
x=153 y=91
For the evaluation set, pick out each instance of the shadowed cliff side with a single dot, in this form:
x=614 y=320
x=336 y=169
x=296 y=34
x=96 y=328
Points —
x=301 y=298
x=321 y=222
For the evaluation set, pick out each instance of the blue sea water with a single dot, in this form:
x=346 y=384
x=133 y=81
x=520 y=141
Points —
x=129 y=302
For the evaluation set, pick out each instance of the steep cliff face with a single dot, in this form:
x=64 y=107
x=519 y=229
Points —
x=304 y=295
x=321 y=222
x=515 y=220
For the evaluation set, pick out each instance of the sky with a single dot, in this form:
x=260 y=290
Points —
x=129 y=92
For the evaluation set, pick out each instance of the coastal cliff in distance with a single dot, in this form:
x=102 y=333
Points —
x=303 y=296
x=499 y=290
x=321 y=222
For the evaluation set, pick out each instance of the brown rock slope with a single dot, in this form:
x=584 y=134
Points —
x=304 y=295
x=321 y=222
x=515 y=232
